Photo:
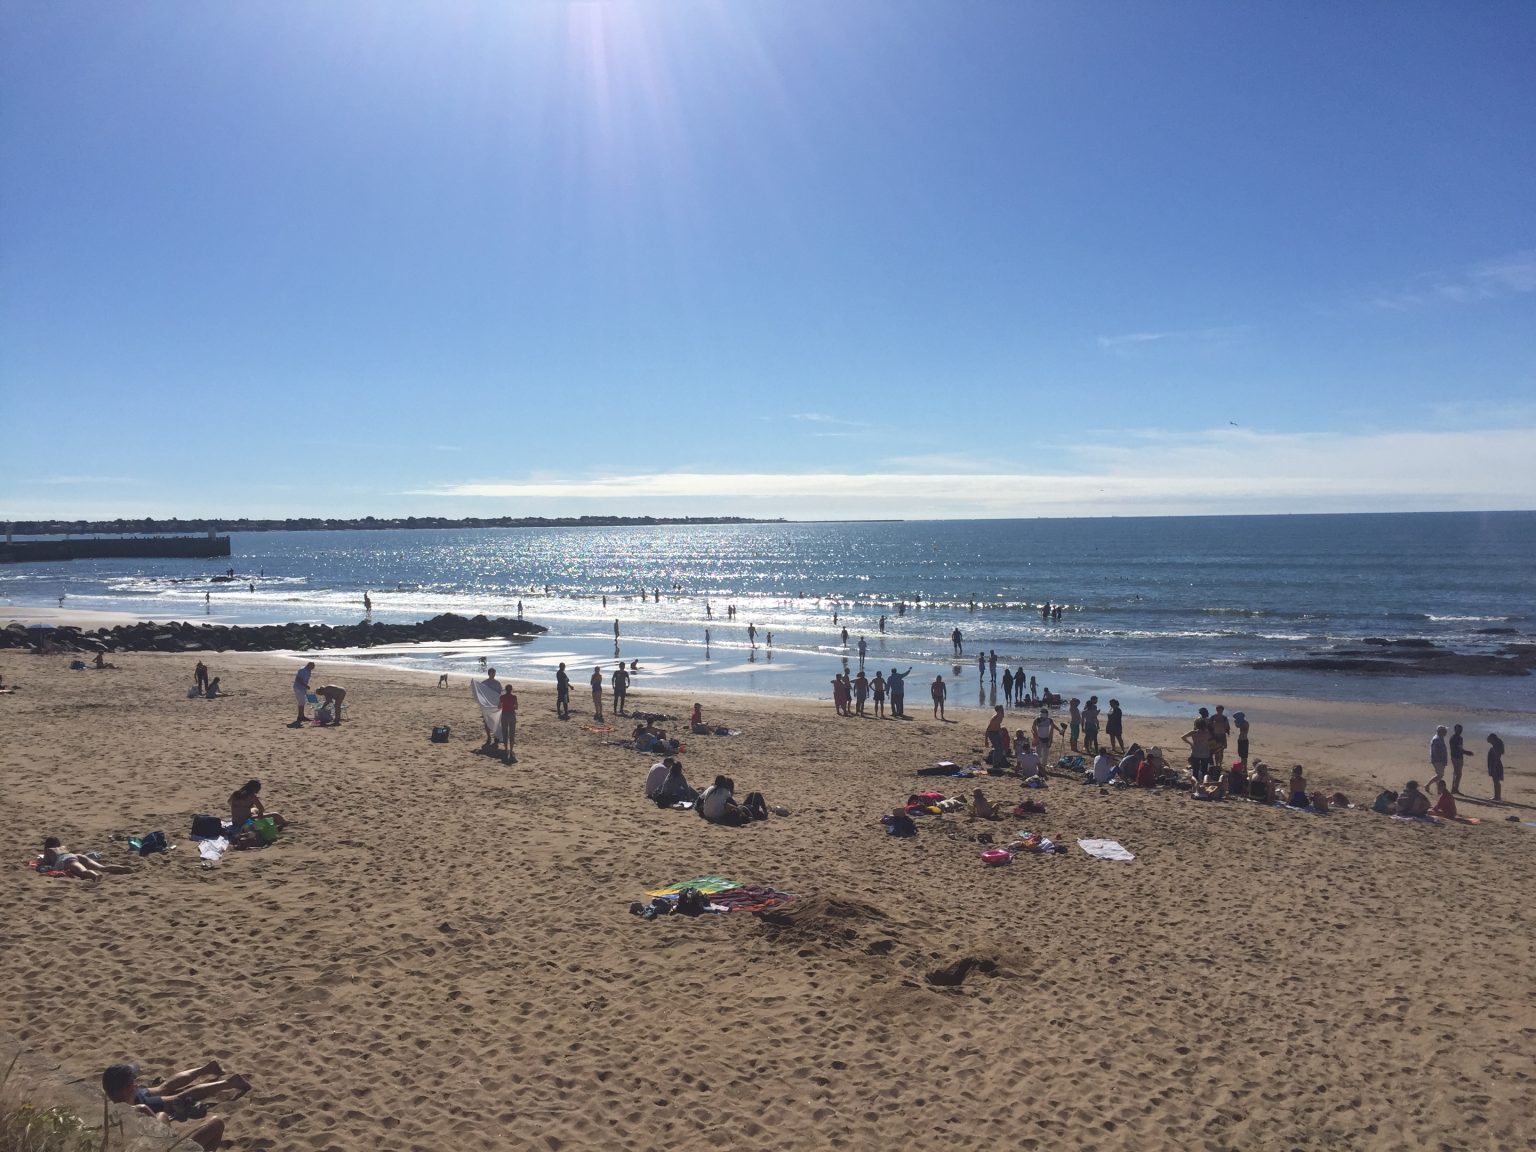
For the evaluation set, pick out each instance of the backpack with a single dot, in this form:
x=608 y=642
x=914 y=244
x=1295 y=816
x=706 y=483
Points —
x=440 y=734
x=689 y=902
x=207 y=828
x=153 y=842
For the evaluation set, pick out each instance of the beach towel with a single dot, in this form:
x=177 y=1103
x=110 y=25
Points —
x=488 y=695
x=708 y=885
x=1105 y=849
x=37 y=865
x=750 y=898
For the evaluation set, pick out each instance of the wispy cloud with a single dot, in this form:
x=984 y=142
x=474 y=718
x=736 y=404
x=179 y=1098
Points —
x=1178 y=472
x=1130 y=341
x=77 y=480
x=1509 y=275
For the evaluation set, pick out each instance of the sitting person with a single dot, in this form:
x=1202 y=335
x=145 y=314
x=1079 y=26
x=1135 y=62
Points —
x=179 y=1099
x=101 y=661
x=213 y=689
x=718 y=804
x=1103 y=770
x=1261 y=785
x=1029 y=762
x=1125 y=771
x=1297 y=789
x=984 y=809
x=898 y=823
x=1146 y=772
x=245 y=808
x=669 y=786
x=1412 y=802
x=57 y=857
x=1445 y=802
x=696 y=721
x=1237 y=779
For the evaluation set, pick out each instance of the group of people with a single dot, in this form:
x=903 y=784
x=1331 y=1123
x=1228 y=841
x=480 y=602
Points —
x=326 y=713
x=1447 y=749
x=851 y=692
x=667 y=787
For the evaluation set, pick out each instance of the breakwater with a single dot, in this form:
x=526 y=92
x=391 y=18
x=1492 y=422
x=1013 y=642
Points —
x=148 y=636
x=109 y=547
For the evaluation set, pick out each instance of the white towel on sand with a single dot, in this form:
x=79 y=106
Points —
x=1105 y=849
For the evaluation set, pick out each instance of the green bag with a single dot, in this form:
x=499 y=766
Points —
x=266 y=828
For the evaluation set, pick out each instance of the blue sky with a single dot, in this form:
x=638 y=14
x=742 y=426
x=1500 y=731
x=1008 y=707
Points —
x=790 y=258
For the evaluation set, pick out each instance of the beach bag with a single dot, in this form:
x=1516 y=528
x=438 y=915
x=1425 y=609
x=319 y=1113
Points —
x=153 y=842
x=207 y=828
x=266 y=828
x=899 y=824
x=440 y=734
x=689 y=902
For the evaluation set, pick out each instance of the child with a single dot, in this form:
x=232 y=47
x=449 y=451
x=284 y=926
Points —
x=179 y=1099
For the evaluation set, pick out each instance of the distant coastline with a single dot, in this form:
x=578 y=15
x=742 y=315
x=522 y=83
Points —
x=365 y=523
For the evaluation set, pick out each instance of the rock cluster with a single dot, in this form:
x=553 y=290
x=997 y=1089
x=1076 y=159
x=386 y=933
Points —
x=1412 y=657
x=147 y=636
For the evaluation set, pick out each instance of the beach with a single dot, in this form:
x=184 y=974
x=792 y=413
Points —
x=439 y=952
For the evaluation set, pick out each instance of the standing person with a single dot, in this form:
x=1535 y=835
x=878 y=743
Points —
x=1114 y=727
x=877 y=689
x=620 y=688
x=863 y=651
x=1458 y=749
x=768 y=639
x=519 y=609
x=956 y=639
x=562 y=693
x=898 y=687
x=1044 y=732
x=1241 y=721
x=487 y=695
x=860 y=691
x=882 y=623
x=301 y=691
x=200 y=677
x=367 y=603
x=1496 y=766
x=1091 y=725
x=508 y=722
x=1439 y=754
x=1199 y=740
x=1008 y=687
x=981 y=666
x=992 y=665
x=615 y=633
x=597 y=694
x=845 y=637
x=938 y=691
x=1075 y=718
x=997 y=737
x=1221 y=730
x=752 y=634
x=330 y=693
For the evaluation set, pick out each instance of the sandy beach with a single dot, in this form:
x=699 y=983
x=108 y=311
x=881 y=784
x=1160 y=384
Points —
x=439 y=954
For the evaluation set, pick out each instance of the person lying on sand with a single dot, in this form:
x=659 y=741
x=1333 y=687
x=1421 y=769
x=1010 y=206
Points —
x=179 y=1099
x=649 y=738
x=245 y=808
x=1213 y=787
x=58 y=858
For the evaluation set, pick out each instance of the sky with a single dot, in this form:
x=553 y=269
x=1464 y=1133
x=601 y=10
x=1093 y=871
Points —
x=871 y=258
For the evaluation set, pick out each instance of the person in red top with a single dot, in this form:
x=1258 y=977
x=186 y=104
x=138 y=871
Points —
x=508 y=722
x=1445 y=805
x=1146 y=775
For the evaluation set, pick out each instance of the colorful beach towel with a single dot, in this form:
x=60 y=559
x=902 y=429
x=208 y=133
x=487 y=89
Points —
x=751 y=898
x=706 y=885
x=1105 y=849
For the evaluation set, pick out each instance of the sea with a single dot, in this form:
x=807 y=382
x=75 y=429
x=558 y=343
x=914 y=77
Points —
x=1152 y=609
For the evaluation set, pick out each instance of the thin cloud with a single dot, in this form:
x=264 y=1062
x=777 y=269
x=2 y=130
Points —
x=1511 y=275
x=1130 y=341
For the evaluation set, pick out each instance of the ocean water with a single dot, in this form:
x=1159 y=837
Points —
x=1149 y=604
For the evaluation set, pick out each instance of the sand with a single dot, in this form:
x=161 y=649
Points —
x=439 y=955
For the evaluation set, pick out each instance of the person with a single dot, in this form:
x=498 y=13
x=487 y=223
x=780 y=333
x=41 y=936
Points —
x=368 y=604
x=939 y=692
x=1241 y=723
x=1199 y=740
x=877 y=690
x=768 y=640
x=656 y=777
x=58 y=858
x=180 y=1099
x=1261 y=785
x=956 y=639
x=897 y=683
x=1075 y=719
x=996 y=736
x=984 y=809
x=1091 y=725
x=1297 y=789
x=1029 y=761
x=1008 y=687
x=1412 y=802
x=1445 y=803
x=1147 y=771
x=301 y=691
x=562 y=693
x=1385 y=803
x=845 y=637
x=718 y=804
x=333 y=697
x=1237 y=779
x=696 y=720
x=1213 y=788
x=1439 y=753
x=245 y=808
x=863 y=650
x=508 y=722
x=1044 y=732
x=1220 y=728
x=102 y=662
x=1103 y=770
x=1496 y=766
x=1457 y=747
x=839 y=695
x=620 y=680
x=200 y=676
x=615 y=633
x=860 y=691
x=882 y=623
x=1129 y=764
x=1114 y=728
x=487 y=695
x=213 y=689
x=752 y=634
x=597 y=694
x=673 y=788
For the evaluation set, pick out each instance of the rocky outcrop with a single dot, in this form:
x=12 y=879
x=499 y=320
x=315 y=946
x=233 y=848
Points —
x=148 y=636
x=1411 y=658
